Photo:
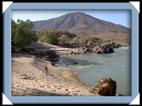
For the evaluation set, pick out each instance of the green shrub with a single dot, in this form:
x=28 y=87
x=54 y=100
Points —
x=64 y=39
x=22 y=33
x=49 y=37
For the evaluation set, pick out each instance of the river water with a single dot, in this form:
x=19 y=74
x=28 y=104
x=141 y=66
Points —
x=92 y=67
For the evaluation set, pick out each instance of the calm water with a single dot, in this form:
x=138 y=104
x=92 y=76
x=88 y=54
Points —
x=91 y=68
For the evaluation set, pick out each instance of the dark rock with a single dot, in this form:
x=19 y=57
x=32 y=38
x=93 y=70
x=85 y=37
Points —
x=75 y=62
x=108 y=49
x=115 y=45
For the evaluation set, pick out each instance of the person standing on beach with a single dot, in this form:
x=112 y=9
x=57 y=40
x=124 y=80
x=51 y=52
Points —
x=46 y=70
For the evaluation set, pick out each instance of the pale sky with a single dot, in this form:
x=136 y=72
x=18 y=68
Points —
x=121 y=17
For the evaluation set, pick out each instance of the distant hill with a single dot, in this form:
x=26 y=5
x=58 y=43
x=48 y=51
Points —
x=83 y=24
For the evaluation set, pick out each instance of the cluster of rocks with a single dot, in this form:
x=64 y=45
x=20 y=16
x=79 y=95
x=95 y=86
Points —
x=98 y=49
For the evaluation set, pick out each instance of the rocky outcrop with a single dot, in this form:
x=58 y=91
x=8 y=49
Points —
x=98 y=49
x=85 y=50
x=103 y=49
x=82 y=49
x=105 y=87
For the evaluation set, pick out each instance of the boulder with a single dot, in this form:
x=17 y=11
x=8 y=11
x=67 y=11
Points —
x=115 y=45
x=105 y=87
x=75 y=62
x=108 y=49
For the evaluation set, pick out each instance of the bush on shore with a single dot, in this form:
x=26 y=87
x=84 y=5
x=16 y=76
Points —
x=22 y=34
x=49 y=37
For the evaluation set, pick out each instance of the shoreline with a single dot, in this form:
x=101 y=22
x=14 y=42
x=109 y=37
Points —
x=41 y=48
x=57 y=81
x=32 y=73
x=98 y=49
x=33 y=76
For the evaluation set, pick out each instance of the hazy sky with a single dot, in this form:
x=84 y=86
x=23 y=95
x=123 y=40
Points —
x=116 y=16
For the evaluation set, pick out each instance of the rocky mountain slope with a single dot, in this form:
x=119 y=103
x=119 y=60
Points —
x=80 y=23
x=83 y=24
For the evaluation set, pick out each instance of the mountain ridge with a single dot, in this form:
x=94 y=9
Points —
x=81 y=24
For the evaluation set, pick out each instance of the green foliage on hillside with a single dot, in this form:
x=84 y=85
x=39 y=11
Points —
x=86 y=40
x=55 y=37
x=22 y=34
x=49 y=37
x=64 y=39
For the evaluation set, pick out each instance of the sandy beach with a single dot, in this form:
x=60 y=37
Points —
x=32 y=76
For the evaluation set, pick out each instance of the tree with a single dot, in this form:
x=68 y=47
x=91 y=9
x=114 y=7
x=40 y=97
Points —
x=84 y=40
x=64 y=39
x=49 y=37
x=22 y=33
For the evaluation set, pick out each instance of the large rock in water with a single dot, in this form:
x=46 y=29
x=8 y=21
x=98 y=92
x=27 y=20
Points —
x=101 y=49
x=105 y=87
